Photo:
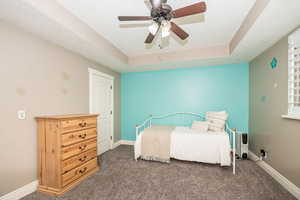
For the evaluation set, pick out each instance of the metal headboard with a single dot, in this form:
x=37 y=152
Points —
x=148 y=123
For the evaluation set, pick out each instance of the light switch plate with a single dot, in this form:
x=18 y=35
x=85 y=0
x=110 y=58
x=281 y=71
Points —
x=21 y=114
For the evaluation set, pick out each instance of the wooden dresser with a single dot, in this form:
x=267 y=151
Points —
x=67 y=151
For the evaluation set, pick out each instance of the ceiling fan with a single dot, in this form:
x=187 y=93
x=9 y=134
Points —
x=162 y=14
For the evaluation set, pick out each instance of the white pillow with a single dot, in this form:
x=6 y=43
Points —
x=216 y=120
x=216 y=127
x=200 y=126
x=217 y=115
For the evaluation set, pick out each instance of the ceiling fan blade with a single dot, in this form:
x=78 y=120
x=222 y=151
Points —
x=134 y=18
x=178 y=31
x=149 y=38
x=190 y=10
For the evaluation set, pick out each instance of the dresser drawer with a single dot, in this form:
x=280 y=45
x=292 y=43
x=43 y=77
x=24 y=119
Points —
x=77 y=124
x=78 y=136
x=78 y=160
x=78 y=172
x=78 y=148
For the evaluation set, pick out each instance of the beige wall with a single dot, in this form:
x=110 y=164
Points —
x=42 y=79
x=280 y=137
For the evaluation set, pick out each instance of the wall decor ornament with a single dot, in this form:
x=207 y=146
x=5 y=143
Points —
x=274 y=63
x=263 y=99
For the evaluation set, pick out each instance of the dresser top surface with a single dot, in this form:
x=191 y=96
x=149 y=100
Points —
x=66 y=116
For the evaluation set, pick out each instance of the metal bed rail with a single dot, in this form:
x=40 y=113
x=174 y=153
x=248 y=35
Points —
x=230 y=131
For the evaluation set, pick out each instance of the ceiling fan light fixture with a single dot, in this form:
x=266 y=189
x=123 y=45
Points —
x=157 y=3
x=153 y=28
x=165 y=32
x=161 y=15
x=166 y=26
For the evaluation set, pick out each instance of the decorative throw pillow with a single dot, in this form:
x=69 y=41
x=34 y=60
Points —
x=200 y=126
x=216 y=120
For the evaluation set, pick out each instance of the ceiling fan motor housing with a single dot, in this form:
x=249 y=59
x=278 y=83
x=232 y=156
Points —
x=162 y=13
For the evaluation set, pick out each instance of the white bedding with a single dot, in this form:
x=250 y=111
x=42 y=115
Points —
x=187 y=144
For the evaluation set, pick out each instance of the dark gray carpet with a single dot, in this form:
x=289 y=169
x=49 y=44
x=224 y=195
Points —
x=123 y=178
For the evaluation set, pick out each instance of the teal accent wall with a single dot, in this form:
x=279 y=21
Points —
x=197 y=89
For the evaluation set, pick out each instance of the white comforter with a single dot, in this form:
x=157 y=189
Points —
x=187 y=144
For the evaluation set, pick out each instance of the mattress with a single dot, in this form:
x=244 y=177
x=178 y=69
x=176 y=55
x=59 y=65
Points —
x=190 y=145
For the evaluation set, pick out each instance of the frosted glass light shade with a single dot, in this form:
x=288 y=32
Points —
x=153 y=28
x=166 y=26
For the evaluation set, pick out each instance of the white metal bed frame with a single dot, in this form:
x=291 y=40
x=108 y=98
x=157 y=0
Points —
x=231 y=132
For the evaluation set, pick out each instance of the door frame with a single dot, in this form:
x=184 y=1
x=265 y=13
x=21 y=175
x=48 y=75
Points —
x=92 y=72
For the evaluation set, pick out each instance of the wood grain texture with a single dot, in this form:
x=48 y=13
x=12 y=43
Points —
x=52 y=155
x=60 y=153
x=190 y=10
x=55 y=192
x=68 y=125
x=78 y=148
x=78 y=136
x=149 y=38
x=41 y=152
x=134 y=18
x=78 y=160
x=67 y=116
x=179 y=31
x=74 y=174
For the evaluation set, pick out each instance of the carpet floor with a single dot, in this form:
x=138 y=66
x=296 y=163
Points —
x=121 y=177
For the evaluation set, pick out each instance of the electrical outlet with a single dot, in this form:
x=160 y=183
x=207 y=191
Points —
x=22 y=114
x=263 y=154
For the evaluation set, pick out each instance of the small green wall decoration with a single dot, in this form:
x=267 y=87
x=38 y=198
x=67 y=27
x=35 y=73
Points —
x=263 y=99
x=274 y=63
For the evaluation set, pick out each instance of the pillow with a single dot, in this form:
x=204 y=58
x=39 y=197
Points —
x=200 y=126
x=216 y=120
x=216 y=127
x=217 y=115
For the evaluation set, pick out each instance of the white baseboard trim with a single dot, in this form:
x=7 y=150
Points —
x=21 y=192
x=288 y=185
x=123 y=142
x=292 y=188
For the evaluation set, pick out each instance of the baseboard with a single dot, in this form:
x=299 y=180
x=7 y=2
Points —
x=21 y=192
x=127 y=142
x=116 y=144
x=288 y=185
x=123 y=142
x=32 y=187
x=292 y=188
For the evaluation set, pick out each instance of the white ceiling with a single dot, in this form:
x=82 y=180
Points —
x=49 y=21
x=277 y=20
x=229 y=32
x=216 y=27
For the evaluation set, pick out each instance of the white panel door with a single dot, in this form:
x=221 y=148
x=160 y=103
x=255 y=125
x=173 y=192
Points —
x=102 y=104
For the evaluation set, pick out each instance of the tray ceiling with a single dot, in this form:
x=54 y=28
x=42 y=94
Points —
x=216 y=27
x=229 y=32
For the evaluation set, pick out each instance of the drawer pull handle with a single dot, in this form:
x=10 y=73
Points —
x=83 y=170
x=82 y=124
x=83 y=159
x=82 y=147
x=82 y=136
